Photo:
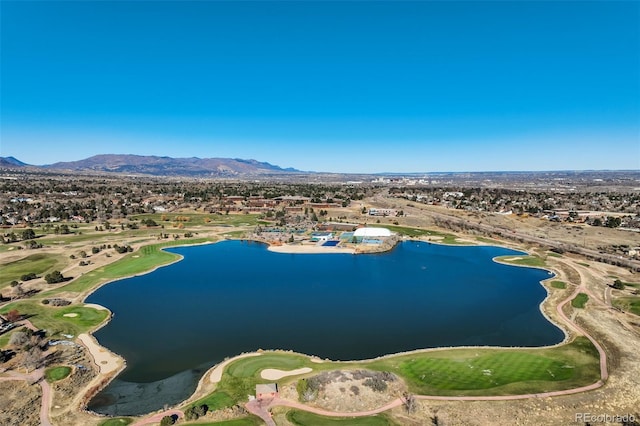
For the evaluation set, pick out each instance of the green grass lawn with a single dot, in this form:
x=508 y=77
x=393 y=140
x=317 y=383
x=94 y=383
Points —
x=137 y=262
x=496 y=371
x=234 y=234
x=99 y=237
x=586 y=265
x=53 y=374
x=53 y=320
x=485 y=371
x=39 y=263
x=450 y=372
x=525 y=260
x=628 y=304
x=553 y=254
x=119 y=421
x=240 y=377
x=558 y=284
x=4 y=338
x=580 y=300
x=418 y=232
x=218 y=400
x=304 y=418
x=248 y=367
x=199 y=219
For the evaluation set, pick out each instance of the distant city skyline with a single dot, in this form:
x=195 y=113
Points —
x=352 y=87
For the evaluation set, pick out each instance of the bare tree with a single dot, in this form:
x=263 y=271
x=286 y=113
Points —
x=32 y=358
x=409 y=402
x=18 y=339
x=18 y=291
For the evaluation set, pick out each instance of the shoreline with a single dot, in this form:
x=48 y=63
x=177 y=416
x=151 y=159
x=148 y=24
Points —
x=82 y=296
x=298 y=249
x=97 y=350
x=307 y=249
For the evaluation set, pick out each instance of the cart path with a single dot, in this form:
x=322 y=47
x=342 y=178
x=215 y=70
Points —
x=277 y=401
x=33 y=377
x=156 y=418
x=260 y=408
x=581 y=288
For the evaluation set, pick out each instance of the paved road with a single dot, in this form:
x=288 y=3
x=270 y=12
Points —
x=260 y=408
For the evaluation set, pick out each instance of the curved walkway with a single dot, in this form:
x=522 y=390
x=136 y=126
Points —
x=604 y=374
x=299 y=406
x=35 y=376
x=156 y=418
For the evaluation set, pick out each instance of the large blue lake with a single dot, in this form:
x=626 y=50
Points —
x=232 y=297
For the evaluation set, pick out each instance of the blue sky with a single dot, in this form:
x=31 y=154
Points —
x=329 y=86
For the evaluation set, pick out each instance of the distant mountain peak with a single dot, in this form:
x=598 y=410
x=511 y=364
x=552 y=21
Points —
x=168 y=166
x=11 y=161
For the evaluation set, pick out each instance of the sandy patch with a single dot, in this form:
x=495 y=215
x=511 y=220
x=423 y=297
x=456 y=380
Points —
x=216 y=373
x=513 y=259
x=70 y=315
x=95 y=306
x=106 y=361
x=275 y=374
x=316 y=360
x=298 y=249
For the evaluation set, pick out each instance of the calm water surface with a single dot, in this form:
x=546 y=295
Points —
x=232 y=297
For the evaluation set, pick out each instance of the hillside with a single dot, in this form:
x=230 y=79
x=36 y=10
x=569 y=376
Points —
x=168 y=166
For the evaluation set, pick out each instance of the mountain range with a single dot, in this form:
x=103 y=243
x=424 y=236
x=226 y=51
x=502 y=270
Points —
x=160 y=166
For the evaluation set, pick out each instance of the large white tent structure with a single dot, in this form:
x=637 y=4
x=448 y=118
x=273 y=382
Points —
x=372 y=232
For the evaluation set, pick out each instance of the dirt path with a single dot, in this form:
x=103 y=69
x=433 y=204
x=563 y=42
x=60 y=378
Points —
x=28 y=324
x=156 y=418
x=35 y=376
x=581 y=288
x=297 y=405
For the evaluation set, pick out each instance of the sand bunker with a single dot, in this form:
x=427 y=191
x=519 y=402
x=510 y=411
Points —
x=95 y=306
x=275 y=374
x=70 y=315
x=106 y=361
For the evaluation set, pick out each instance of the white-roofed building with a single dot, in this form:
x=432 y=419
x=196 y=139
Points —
x=372 y=232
